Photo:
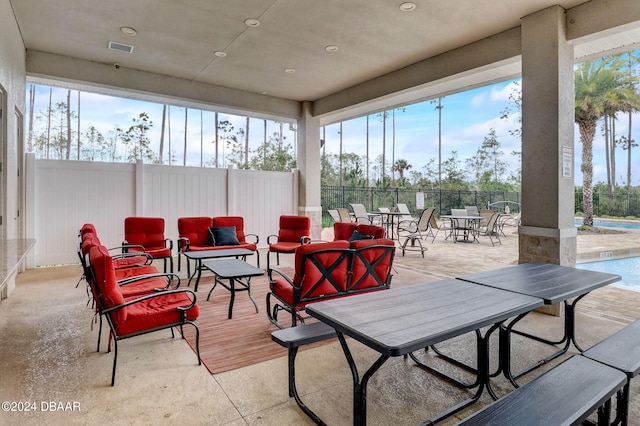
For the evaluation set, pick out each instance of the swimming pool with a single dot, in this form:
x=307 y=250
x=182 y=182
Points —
x=628 y=269
x=612 y=223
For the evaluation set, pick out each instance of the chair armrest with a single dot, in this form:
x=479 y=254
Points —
x=282 y=274
x=305 y=240
x=406 y=224
x=269 y=237
x=167 y=275
x=183 y=244
x=153 y=296
x=132 y=254
x=125 y=246
x=257 y=239
x=168 y=243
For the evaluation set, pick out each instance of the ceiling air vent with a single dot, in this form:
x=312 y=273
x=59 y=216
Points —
x=120 y=47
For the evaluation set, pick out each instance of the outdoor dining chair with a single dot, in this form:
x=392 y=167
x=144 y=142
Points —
x=344 y=215
x=415 y=231
x=360 y=213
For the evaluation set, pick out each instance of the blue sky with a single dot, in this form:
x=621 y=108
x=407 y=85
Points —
x=467 y=118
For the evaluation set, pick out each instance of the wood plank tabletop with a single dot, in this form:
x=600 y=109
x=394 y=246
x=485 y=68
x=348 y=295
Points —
x=398 y=321
x=553 y=283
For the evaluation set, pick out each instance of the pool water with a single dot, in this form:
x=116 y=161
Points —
x=611 y=224
x=628 y=269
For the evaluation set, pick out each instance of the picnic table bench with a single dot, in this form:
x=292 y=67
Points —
x=565 y=395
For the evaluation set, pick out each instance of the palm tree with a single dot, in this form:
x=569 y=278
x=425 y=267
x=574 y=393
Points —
x=595 y=82
x=401 y=165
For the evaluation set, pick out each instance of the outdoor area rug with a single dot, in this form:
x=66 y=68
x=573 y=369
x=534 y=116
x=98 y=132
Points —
x=245 y=339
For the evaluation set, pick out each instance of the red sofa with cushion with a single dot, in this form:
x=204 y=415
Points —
x=330 y=270
x=353 y=231
x=198 y=234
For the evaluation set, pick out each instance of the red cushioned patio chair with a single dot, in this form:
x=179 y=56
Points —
x=146 y=234
x=136 y=316
x=193 y=235
x=292 y=233
x=321 y=269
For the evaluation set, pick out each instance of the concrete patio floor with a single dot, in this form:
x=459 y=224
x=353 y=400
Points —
x=47 y=354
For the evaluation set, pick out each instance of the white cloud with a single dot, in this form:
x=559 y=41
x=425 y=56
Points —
x=502 y=93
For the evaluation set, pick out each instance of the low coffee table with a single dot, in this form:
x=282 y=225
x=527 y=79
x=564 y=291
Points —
x=199 y=256
x=237 y=271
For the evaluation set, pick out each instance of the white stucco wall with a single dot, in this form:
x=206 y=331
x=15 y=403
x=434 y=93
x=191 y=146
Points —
x=13 y=84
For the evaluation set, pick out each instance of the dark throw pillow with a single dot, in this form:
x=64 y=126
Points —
x=224 y=236
x=359 y=236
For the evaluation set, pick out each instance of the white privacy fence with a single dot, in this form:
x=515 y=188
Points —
x=63 y=195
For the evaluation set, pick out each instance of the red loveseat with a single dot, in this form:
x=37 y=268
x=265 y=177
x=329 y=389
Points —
x=194 y=235
x=346 y=231
x=330 y=270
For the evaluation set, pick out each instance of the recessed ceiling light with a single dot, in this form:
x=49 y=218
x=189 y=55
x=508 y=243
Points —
x=220 y=54
x=331 y=48
x=251 y=22
x=128 y=31
x=407 y=6
x=289 y=70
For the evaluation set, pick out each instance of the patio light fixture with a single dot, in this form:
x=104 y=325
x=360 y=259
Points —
x=407 y=6
x=128 y=31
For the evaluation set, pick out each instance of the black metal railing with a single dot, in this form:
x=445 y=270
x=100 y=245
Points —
x=617 y=205
x=443 y=201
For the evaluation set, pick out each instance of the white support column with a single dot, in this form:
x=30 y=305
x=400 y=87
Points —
x=547 y=233
x=309 y=167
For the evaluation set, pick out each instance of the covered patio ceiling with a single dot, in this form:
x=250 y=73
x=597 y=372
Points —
x=347 y=57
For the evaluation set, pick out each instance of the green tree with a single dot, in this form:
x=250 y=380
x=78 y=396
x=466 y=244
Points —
x=353 y=170
x=93 y=148
x=273 y=155
x=487 y=164
x=401 y=166
x=136 y=139
x=454 y=173
x=596 y=83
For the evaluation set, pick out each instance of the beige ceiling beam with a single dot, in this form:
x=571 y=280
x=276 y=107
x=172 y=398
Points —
x=458 y=63
x=595 y=19
x=130 y=83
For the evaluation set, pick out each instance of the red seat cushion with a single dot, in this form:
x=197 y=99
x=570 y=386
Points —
x=372 y=230
x=147 y=232
x=368 y=254
x=196 y=229
x=88 y=227
x=125 y=273
x=312 y=280
x=157 y=312
x=109 y=293
x=293 y=228
x=237 y=221
x=284 y=247
x=343 y=230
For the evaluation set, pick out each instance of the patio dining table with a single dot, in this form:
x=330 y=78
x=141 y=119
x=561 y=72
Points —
x=398 y=321
x=554 y=284
x=469 y=224
x=201 y=255
x=390 y=220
